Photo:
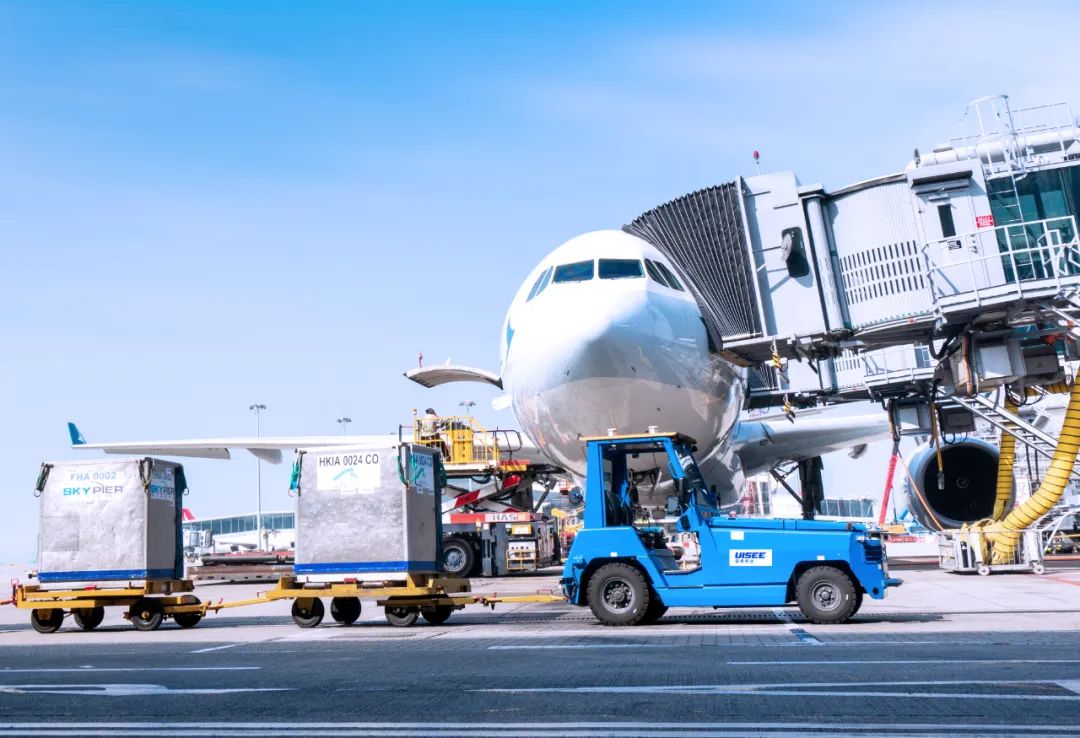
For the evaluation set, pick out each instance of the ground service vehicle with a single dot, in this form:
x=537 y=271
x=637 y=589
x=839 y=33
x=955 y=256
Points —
x=625 y=573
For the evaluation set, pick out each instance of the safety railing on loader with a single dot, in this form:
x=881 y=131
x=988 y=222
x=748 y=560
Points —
x=460 y=439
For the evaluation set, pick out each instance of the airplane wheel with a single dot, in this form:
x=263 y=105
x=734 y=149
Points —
x=438 y=614
x=146 y=614
x=88 y=618
x=826 y=595
x=46 y=621
x=402 y=617
x=618 y=595
x=345 y=610
x=307 y=612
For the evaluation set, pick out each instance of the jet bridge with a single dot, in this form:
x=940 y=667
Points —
x=961 y=270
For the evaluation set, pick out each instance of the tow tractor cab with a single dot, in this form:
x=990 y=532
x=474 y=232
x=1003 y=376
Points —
x=622 y=569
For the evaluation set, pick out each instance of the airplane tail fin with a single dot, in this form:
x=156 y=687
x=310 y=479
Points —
x=76 y=437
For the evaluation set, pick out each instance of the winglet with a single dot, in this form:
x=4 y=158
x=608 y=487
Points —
x=76 y=437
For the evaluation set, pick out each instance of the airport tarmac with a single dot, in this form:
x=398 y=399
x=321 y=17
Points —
x=945 y=654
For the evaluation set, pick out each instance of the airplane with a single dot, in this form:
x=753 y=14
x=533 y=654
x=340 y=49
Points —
x=604 y=337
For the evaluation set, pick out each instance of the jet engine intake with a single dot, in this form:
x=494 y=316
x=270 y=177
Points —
x=970 y=484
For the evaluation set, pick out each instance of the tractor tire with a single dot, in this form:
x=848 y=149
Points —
x=459 y=557
x=88 y=618
x=655 y=611
x=826 y=595
x=437 y=614
x=146 y=614
x=307 y=612
x=46 y=620
x=345 y=610
x=618 y=595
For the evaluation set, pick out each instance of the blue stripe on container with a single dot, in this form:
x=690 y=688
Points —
x=348 y=567
x=103 y=574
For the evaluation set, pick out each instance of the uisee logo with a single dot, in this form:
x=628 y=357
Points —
x=750 y=557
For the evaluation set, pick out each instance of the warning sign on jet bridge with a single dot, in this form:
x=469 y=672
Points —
x=352 y=473
x=984 y=221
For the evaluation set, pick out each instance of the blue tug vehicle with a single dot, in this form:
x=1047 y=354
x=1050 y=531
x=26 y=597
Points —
x=624 y=572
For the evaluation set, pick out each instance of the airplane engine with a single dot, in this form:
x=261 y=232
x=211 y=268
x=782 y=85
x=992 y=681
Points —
x=970 y=484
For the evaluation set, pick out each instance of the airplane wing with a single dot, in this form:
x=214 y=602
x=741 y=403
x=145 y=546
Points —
x=761 y=444
x=433 y=376
x=267 y=448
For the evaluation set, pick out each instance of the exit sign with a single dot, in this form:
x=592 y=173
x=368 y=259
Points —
x=984 y=221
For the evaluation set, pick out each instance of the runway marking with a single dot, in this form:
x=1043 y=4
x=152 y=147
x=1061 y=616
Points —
x=539 y=729
x=795 y=630
x=826 y=689
x=577 y=646
x=218 y=648
x=903 y=661
x=125 y=690
x=84 y=669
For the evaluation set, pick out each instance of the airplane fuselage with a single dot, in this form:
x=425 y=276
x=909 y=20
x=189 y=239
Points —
x=603 y=336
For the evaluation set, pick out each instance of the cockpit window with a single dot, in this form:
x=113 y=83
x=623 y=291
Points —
x=669 y=276
x=650 y=266
x=578 y=271
x=539 y=285
x=620 y=269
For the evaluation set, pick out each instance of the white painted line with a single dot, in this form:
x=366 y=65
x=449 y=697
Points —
x=218 y=648
x=84 y=669
x=795 y=630
x=127 y=690
x=904 y=661
x=577 y=646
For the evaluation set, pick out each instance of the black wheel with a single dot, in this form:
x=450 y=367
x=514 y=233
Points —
x=402 y=617
x=146 y=614
x=345 y=610
x=458 y=557
x=188 y=619
x=46 y=621
x=826 y=595
x=655 y=611
x=88 y=618
x=618 y=595
x=437 y=614
x=307 y=612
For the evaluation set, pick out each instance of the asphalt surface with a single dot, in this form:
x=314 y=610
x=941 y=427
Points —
x=945 y=655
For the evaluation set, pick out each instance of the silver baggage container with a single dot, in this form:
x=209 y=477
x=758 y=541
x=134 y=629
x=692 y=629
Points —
x=367 y=514
x=110 y=521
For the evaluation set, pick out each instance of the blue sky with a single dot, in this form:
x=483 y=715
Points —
x=205 y=205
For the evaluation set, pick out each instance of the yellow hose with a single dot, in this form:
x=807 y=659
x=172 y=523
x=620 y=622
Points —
x=1006 y=459
x=1006 y=534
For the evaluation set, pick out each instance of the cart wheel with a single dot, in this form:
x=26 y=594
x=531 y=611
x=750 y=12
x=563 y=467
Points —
x=983 y=570
x=1038 y=567
x=188 y=619
x=88 y=618
x=402 y=617
x=307 y=612
x=345 y=610
x=146 y=614
x=437 y=614
x=46 y=621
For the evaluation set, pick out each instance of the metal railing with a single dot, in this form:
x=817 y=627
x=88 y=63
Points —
x=1003 y=260
x=460 y=439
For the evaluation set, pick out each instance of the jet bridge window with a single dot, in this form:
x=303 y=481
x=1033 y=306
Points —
x=620 y=269
x=578 y=271
x=539 y=285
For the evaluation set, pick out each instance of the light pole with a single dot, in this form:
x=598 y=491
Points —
x=344 y=425
x=257 y=409
x=468 y=405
